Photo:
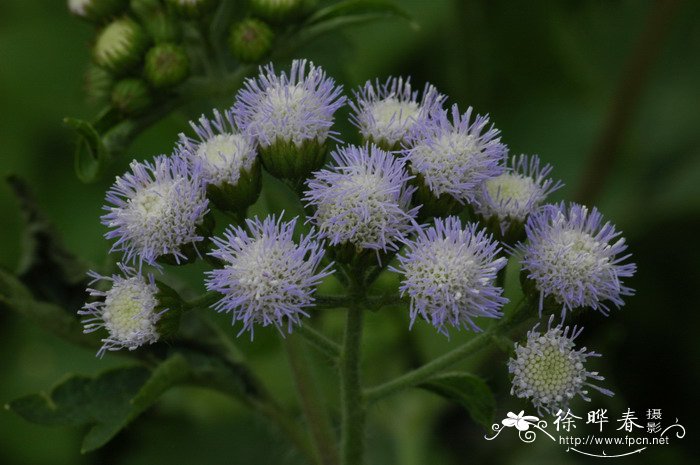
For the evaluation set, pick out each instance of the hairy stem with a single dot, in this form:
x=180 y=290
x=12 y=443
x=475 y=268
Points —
x=352 y=403
x=423 y=373
x=309 y=398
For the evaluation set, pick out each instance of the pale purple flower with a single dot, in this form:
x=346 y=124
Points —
x=520 y=190
x=129 y=311
x=576 y=259
x=386 y=113
x=267 y=277
x=219 y=147
x=363 y=199
x=154 y=210
x=455 y=156
x=297 y=107
x=549 y=370
x=449 y=273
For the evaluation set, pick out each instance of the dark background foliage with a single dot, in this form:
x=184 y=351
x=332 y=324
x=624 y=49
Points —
x=554 y=76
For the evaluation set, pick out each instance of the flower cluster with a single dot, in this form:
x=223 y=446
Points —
x=129 y=312
x=550 y=371
x=575 y=259
x=419 y=163
x=449 y=273
x=267 y=277
x=387 y=113
x=511 y=196
x=220 y=148
x=155 y=210
x=364 y=200
x=455 y=157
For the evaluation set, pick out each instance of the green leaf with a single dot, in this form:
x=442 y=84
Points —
x=173 y=371
x=103 y=402
x=343 y=14
x=107 y=403
x=90 y=153
x=47 y=267
x=468 y=390
x=100 y=142
x=357 y=11
x=15 y=296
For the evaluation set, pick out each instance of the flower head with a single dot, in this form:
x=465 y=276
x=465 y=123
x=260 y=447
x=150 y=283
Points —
x=129 y=310
x=268 y=278
x=155 y=210
x=449 y=273
x=220 y=148
x=575 y=258
x=386 y=113
x=455 y=157
x=363 y=200
x=514 y=194
x=296 y=108
x=550 y=371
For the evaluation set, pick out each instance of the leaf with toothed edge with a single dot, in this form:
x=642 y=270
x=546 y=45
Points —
x=107 y=403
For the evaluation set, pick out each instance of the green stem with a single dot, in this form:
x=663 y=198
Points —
x=205 y=300
x=319 y=342
x=423 y=373
x=316 y=418
x=377 y=302
x=331 y=301
x=352 y=404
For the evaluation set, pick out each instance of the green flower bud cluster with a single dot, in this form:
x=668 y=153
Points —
x=251 y=40
x=138 y=52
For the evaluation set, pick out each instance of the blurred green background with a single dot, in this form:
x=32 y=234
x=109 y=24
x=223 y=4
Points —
x=548 y=73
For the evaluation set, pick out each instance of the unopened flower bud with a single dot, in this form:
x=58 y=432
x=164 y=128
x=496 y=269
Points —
x=250 y=40
x=96 y=10
x=145 y=8
x=166 y=65
x=159 y=24
x=280 y=11
x=120 y=45
x=192 y=9
x=98 y=83
x=131 y=96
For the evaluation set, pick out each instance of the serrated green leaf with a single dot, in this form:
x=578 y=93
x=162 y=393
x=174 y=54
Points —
x=47 y=267
x=107 y=403
x=468 y=390
x=103 y=402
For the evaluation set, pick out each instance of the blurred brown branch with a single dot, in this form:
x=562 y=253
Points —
x=626 y=99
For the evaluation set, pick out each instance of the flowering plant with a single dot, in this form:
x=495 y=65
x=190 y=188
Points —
x=427 y=214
